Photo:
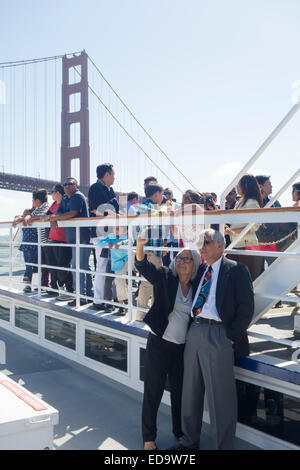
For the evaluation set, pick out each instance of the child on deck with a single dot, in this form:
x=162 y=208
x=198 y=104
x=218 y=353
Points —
x=119 y=261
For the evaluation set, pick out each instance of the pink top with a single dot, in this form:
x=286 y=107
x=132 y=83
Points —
x=57 y=234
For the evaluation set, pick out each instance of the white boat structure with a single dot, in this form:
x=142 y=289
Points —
x=113 y=346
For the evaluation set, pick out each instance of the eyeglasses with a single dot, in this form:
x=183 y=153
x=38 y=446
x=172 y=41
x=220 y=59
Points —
x=183 y=259
x=206 y=242
x=68 y=184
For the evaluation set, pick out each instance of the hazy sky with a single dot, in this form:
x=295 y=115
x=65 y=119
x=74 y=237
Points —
x=209 y=80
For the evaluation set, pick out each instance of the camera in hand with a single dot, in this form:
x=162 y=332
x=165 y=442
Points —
x=208 y=202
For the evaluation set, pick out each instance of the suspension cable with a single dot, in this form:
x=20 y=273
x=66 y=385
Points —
x=130 y=136
x=136 y=120
x=34 y=61
x=45 y=59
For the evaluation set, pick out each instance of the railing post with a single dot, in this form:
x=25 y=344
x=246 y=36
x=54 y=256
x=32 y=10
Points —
x=2 y=352
x=39 y=262
x=10 y=255
x=77 y=275
x=130 y=257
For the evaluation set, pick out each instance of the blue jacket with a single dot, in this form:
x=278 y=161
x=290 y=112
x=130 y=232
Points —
x=118 y=256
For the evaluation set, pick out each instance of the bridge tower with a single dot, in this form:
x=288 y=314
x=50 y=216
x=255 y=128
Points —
x=81 y=151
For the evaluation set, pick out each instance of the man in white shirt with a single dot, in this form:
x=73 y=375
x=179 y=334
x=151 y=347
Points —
x=222 y=310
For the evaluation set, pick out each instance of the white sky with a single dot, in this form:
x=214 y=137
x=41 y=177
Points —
x=208 y=80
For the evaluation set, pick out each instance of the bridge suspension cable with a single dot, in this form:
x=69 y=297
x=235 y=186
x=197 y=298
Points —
x=139 y=124
x=31 y=126
x=129 y=135
x=17 y=63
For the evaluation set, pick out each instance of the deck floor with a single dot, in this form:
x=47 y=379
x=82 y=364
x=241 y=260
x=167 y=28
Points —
x=94 y=411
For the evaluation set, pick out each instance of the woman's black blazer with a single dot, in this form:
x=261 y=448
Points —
x=165 y=285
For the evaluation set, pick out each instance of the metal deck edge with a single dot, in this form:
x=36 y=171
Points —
x=248 y=363
x=92 y=317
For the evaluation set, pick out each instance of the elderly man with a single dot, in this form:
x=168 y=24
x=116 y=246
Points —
x=221 y=312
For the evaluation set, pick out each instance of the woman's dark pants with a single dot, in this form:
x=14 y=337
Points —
x=163 y=359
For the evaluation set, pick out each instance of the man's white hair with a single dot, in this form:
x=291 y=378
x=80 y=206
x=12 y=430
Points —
x=213 y=235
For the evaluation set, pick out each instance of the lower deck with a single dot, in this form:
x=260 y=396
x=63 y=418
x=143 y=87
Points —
x=89 y=365
x=95 y=412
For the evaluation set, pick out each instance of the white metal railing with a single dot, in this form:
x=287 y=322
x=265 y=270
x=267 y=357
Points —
x=197 y=219
x=268 y=205
x=259 y=151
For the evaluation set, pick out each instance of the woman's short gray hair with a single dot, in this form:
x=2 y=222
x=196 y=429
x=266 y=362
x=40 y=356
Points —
x=214 y=235
x=197 y=261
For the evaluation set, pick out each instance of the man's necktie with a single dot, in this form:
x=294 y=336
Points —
x=203 y=294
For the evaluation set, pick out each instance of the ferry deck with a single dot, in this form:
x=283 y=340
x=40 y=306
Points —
x=89 y=365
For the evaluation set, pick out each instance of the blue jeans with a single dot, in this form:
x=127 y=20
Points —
x=86 y=285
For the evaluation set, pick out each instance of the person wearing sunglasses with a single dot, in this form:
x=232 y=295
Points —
x=221 y=312
x=168 y=319
x=74 y=205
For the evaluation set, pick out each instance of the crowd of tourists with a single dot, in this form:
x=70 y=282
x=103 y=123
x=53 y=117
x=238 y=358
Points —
x=106 y=250
x=197 y=303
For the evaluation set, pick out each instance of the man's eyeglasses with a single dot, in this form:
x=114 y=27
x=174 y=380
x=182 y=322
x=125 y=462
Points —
x=68 y=184
x=183 y=259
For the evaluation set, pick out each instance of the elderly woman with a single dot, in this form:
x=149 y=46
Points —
x=168 y=319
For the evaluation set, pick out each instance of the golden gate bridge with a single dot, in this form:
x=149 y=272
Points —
x=62 y=117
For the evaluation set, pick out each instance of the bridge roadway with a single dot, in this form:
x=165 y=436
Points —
x=94 y=412
x=28 y=184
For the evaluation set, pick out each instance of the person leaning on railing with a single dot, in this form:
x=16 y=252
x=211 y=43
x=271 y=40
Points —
x=30 y=252
x=288 y=230
x=74 y=205
x=192 y=202
x=250 y=198
x=296 y=194
x=61 y=255
x=168 y=319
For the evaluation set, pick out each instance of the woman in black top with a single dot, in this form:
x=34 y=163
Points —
x=169 y=319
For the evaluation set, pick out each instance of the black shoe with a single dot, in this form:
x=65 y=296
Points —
x=181 y=447
x=82 y=302
x=52 y=294
x=99 y=307
x=27 y=289
x=121 y=311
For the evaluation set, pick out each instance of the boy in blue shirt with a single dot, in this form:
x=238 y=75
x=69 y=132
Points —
x=119 y=261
